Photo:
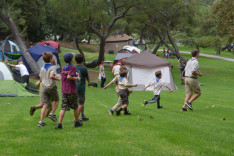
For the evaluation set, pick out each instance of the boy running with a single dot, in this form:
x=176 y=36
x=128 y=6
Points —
x=124 y=92
x=49 y=89
x=69 y=91
x=157 y=84
x=80 y=85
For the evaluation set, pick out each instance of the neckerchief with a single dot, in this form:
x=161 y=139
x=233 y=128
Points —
x=47 y=66
x=67 y=67
x=157 y=79
x=121 y=79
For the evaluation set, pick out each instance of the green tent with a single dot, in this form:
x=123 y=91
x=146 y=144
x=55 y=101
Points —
x=8 y=86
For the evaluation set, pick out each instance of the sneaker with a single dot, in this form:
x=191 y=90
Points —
x=78 y=124
x=59 y=126
x=84 y=119
x=117 y=113
x=189 y=105
x=41 y=124
x=183 y=110
x=160 y=107
x=111 y=112
x=127 y=112
x=32 y=110
x=52 y=117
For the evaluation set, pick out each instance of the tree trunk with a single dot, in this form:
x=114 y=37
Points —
x=176 y=52
x=157 y=47
x=75 y=40
x=101 y=51
x=89 y=39
x=10 y=23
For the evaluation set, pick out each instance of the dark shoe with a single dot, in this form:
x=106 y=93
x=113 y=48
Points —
x=59 y=126
x=117 y=113
x=32 y=110
x=182 y=83
x=41 y=124
x=183 y=110
x=78 y=124
x=127 y=112
x=160 y=107
x=111 y=112
x=52 y=117
x=189 y=105
x=84 y=119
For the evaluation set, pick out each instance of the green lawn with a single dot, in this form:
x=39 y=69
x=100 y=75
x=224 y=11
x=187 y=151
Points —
x=201 y=132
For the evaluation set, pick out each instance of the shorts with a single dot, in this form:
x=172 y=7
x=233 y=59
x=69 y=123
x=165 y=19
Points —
x=81 y=99
x=192 y=86
x=48 y=95
x=124 y=96
x=69 y=101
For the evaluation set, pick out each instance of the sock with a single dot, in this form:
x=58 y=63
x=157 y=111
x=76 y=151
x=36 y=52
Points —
x=125 y=110
x=120 y=109
x=82 y=115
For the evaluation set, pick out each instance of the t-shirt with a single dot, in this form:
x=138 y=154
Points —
x=23 y=70
x=68 y=86
x=102 y=71
x=116 y=82
x=182 y=67
x=83 y=73
x=191 y=66
x=116 y=70
x=47 y=82
x=157 y=86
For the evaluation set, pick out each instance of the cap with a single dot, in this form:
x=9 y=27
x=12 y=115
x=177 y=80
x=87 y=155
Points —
x=68 y=57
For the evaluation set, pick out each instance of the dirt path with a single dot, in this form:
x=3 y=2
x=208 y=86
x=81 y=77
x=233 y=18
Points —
x=210 y=56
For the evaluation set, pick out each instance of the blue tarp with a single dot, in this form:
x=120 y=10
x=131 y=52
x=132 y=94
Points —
x=37 y=51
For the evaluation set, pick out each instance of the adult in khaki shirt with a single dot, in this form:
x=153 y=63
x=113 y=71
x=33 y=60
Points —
x=192 y=86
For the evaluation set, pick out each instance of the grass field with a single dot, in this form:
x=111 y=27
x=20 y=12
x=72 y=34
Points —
x=201 y=132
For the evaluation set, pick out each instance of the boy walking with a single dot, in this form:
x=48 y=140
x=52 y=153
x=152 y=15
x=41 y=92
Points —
x=157 y=84
x=80 y=85
x=124 y=92
x=69 y=91
x=49 y=89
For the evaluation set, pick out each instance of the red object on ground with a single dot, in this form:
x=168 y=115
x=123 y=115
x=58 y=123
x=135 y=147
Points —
x=52 y=44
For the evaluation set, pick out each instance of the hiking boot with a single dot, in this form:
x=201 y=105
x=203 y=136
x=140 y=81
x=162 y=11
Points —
x=183 y=110
x=32 y=110
x=78 y=124
x=160 y=107
x=189 y=105
x=84 y=119
x=41 y=124
x=59 y=126
x=111 y=112
x=52 y=117
x=127 y=112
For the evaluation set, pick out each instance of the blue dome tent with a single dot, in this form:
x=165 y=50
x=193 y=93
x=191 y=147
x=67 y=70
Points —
x=36 y=53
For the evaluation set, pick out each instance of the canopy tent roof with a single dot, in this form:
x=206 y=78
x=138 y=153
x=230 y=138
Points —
x=118 y=38
x=52 y=44
x=146 y=60
x=132 y=49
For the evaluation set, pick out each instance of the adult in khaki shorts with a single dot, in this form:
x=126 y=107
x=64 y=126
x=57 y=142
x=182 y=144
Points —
x=192 y=86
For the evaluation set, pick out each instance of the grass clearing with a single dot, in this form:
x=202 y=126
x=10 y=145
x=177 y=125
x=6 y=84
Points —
x=201 y=132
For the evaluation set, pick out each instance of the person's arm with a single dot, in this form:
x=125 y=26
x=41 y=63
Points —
x=87 y=76
x=52 y=76
x=69 y=77
x=146 y=87
x=12 y=65
x=110 y=83
x=126 y=84
x=197 y=73
x=169 y=88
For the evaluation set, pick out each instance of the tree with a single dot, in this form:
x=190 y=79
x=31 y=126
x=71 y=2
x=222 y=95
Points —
x=5 y=16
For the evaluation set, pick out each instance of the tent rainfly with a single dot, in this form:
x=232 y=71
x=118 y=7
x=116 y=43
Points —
x=142 y=68
x=9 y=50
x=9 y=87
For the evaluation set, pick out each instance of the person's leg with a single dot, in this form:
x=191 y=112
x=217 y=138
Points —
x=61 y=116
x=76 y=116
x=194 y=97
x=43 y=110
x=34 y=108
x=55 y=105
x=102 y=82
x=158 y=102
x=81 y=99
x=117 y=105
x=153 y=100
